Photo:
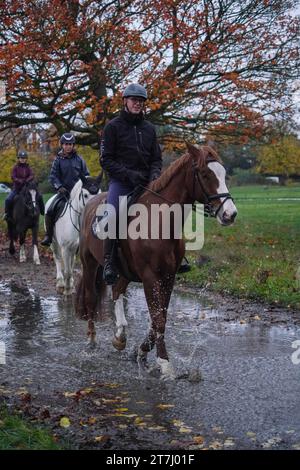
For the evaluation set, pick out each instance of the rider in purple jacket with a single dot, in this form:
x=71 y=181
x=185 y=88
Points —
x=131 y=156
x=20 y=175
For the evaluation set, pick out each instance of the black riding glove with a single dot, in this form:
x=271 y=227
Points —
x=62 y=190
x=154 y=176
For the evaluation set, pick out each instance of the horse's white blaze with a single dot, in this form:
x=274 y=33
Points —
x=33 y=196
x=22 y=254
x=228 y=206
x=36 y=258
x=121 y=321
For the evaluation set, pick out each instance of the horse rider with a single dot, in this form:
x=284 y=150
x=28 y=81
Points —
x=21 y=174
x=131 y=156
x=67 y=168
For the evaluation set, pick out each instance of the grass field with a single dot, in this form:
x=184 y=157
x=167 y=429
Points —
x=258 y=257
x=16 y=434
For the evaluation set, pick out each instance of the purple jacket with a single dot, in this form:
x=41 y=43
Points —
x=21 y=174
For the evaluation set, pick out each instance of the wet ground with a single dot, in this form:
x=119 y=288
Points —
x=238 y=386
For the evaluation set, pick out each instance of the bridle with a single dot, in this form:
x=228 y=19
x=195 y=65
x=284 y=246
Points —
x=209 y=208
x=93 y=190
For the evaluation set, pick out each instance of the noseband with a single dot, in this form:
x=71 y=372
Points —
x=209 y=208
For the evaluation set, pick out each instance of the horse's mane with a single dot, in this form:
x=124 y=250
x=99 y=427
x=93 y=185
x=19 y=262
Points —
x=205 y=153
x=77 y=186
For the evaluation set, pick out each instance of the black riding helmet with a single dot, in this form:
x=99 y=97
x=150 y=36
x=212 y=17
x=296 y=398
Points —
x=67 y=138
x=22 y=154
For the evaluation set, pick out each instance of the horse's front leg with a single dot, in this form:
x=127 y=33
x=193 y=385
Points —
x=36 y=258
x=60 y=283
x=158 y=293
x=119 y=340
x=22 y=255
x=68 y=256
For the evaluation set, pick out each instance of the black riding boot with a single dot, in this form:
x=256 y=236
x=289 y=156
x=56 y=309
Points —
x=49 y=231
x=110 y=272
x=41 y=204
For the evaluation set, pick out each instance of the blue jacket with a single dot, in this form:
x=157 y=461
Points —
x=66 y=171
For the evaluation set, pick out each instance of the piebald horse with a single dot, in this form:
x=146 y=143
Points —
x=25 y=216
x=197 y=176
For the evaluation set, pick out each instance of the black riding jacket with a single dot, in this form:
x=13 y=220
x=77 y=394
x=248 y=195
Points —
x=129 y=142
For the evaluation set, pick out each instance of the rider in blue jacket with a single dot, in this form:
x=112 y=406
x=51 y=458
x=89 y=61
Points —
x=67 y=168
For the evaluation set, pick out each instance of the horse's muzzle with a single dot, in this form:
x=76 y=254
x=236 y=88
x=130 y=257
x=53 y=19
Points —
x=228 y=219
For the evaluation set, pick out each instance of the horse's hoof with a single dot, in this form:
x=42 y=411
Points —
x=91 y=346
x=37 y=263
x=119 y=343
x=60 y=290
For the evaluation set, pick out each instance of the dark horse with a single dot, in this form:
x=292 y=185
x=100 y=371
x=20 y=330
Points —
x=25 y=215
x=197 y=176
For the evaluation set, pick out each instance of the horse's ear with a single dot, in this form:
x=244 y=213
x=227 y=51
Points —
x=193 y=151
x=83 y=179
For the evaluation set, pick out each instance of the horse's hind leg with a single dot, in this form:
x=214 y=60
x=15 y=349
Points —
x=158 y=293
x=68 y=256
x=89 y=278
x=119 y=340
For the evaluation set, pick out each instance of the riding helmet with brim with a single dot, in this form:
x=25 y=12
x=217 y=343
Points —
x=67 y=138
x=22 y=154
x=134 y=89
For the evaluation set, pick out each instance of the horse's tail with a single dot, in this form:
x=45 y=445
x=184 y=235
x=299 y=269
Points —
x=80 y=298
x=100 y=290
x=80 y=308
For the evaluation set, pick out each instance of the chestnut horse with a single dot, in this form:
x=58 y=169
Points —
x=197 y=176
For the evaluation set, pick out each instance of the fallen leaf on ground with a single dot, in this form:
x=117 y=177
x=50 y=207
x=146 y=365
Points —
x=65 y=422
x=164 y=406
x=198 y=439
x=183 y=429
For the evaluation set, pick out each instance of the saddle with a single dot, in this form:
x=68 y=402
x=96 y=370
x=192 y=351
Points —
x=57 y=207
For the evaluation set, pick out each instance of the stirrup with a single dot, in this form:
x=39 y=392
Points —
x=46 y=241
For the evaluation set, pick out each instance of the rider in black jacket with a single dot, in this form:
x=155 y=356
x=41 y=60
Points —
x=131 y=156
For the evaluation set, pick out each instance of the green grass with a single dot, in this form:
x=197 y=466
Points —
x=259 y=256
x=18 y=434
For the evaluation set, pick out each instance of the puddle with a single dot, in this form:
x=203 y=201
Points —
x=250 y=388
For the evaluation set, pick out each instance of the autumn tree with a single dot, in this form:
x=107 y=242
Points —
x=205 y=63
x=282 y=157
